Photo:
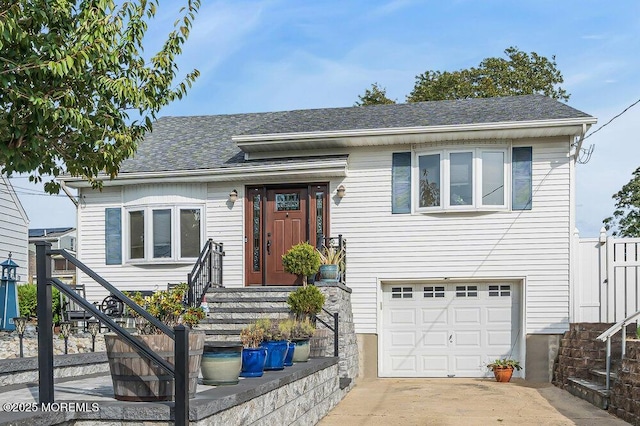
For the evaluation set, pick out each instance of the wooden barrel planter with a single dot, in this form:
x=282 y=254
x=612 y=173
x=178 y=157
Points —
x=135 y=378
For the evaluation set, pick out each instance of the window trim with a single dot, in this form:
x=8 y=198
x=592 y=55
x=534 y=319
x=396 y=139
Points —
x=445 y=179
x=176 y=247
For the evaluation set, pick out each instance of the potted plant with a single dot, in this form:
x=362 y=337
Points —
x=135 y=378
x=275 y=344
x=306 y=302
x=302 y=260
x=330 y=262
x=221 y=363
x=253 y=355
x=503 y=368
x=298 y=332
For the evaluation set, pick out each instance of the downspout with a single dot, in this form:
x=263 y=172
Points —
x=66 y=191
x=579 y=143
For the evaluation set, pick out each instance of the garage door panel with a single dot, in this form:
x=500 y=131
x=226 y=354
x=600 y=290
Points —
x=467 y=315
x=497 y=338
x=468 y=339
x=435 y=340
x=403 y=316
x=435 y=366
x=403 y=339
x=468 y=366
x=404 y=364
x=454 y=334
x=499 y=315
x=434 y=316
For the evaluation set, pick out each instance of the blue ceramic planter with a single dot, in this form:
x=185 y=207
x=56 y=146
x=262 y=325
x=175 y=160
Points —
x=253 y=360
x=288 y=360
x=276 y=353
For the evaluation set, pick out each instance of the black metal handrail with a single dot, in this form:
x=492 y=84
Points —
x=334 y=329
x=180 y=334
x=338 y=243
x=206 y=273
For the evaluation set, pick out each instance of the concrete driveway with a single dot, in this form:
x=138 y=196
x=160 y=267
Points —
x=402 y=402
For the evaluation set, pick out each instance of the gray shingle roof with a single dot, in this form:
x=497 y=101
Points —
x=204 y=142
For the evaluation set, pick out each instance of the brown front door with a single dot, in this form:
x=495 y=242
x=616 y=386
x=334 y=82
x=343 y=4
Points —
x=285 y=226
x=278 y=218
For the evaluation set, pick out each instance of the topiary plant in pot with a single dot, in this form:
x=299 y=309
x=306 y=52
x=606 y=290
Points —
x=306 y=302
x=302 y=260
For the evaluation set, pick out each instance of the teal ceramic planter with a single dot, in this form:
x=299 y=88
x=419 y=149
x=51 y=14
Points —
x=221 y=363
x=302 y=351
x=329 y=272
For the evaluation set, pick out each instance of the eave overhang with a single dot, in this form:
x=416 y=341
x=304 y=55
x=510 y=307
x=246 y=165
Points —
x=319 y=168
x=409 y=135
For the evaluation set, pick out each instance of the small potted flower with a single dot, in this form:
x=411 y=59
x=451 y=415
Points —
x=503 y=368
x=275 y=344
x=298 y=332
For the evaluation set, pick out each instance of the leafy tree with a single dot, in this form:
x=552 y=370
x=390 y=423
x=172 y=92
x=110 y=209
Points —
x=625 y=221
x=375 y=96
x=71 y=73
x=520 y=74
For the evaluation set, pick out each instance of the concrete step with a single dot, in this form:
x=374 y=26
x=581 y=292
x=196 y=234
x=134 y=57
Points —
x=249 y=292
x=265 y=302
x=592 y=392
x=599 y=376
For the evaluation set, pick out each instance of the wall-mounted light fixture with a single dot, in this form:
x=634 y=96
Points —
x=233 y=196
x=340 y=191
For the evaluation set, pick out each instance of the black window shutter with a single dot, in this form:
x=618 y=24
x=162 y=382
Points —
x=522 y=182
x=113 y=236
x=401 y=183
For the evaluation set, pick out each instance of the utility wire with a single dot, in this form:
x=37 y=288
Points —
x=608 y=122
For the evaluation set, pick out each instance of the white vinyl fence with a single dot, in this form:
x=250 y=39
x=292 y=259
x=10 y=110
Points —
x=606 y=278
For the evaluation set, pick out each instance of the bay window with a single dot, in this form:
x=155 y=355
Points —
x=461 y=179
x=160 y=234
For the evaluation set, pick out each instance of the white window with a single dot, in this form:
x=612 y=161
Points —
x=473 y=179
x=160 y=234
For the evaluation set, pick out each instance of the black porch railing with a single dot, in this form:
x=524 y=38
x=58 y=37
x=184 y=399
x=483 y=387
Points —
x=206 y=273
x=180 y=334
x=338 y=243
x=334 y=329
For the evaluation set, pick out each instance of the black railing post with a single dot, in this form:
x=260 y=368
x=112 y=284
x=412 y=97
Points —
x=335 y=334
x=190 y=291
x=181 y=382
x=210 y=261
x=219 y=283
x=45 y=324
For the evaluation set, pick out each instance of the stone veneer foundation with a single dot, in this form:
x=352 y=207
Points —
x=298 y=395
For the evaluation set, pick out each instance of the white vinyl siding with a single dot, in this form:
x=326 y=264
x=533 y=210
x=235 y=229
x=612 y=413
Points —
x=14 y=230
x=531 y=245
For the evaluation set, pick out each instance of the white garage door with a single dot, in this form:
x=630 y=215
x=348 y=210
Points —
x=447 y=330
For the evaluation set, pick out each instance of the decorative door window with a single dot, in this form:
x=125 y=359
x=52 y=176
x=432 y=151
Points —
x=256 y=233
x=286 y=202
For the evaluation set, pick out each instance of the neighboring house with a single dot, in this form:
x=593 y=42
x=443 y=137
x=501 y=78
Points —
x=458 y=216
x=13 y=229
x=60 y=238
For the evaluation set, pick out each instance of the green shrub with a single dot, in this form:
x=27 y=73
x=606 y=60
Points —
x=301 y=259
x=27 y=294
x=306 y=302
x=27 y=299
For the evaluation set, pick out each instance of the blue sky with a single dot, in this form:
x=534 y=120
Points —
x=290 y=54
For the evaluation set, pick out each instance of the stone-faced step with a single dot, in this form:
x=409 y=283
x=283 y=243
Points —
x=592 y=392
x=599 y=376
x=276 y=302
x=249 y=292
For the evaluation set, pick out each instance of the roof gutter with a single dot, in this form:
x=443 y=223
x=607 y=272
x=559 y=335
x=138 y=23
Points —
x=454 y=128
